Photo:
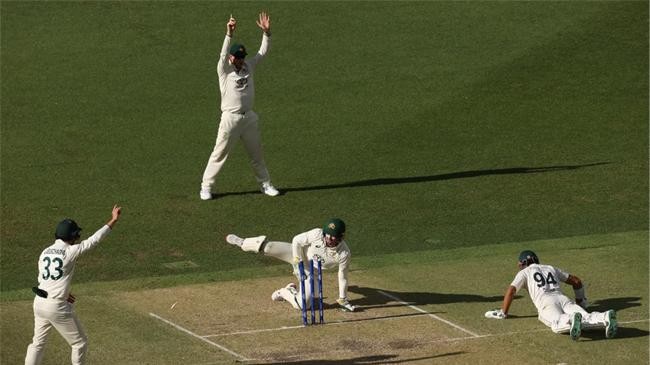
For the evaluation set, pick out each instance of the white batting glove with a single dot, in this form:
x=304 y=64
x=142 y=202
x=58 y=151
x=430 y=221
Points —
x=345 y=305
x=496 y=314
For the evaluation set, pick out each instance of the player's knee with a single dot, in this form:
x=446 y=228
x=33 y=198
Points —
x=81 y=342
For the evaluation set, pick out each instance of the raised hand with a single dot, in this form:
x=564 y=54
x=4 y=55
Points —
x=264 y=22
x=230 y=27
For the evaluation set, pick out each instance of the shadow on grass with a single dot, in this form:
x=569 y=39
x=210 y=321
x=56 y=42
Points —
x=617 y=304
x=621 y=333
x=427 y=178
x=371 y=360
x=374 y=297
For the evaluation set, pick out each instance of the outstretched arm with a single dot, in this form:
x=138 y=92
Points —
x=230 y=26
x=507 y=299
x=115 y=216
x=264 y=22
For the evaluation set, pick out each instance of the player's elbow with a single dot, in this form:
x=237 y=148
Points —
x=575 y=282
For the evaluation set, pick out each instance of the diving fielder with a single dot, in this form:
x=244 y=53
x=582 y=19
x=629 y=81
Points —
x=555 y=309
x=325 y=243
x=53 y=304
x=238 y=120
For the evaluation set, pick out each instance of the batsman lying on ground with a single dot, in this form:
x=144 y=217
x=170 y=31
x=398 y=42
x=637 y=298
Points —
x=554 y=309
x=326 y=244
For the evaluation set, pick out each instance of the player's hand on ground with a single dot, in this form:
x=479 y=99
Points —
x=230 y=27
x=496 y=314
x=264 y=22
x=345 y=305
x=71 y=298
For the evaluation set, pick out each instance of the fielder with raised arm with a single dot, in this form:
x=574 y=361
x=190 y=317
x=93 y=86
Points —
x=554 y=309
x=53 y=304
x=326 y=244
x=238 y=120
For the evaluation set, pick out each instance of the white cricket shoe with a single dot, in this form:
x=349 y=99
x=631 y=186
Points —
x=205 y=194
x=576 y=326
x=234 y=240
x=276 y=296
x=269 y=189
x=610 y=324
x=292 y=288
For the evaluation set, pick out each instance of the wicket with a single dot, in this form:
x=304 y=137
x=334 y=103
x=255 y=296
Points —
x=303 y=277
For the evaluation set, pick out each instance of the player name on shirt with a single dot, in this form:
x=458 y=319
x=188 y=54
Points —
x=55 y=251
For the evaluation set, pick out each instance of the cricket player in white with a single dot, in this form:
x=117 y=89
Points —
x=555 y=309
x=238 y=120
x=53 y=305
x=326 y=244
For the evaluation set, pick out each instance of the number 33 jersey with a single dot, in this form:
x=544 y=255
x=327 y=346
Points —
x=56 y=264
x=540 y=280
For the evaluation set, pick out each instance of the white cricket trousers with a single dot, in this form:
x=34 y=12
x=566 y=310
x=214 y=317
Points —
x=557 y=310
x=59 y=314
x=284 y=252
x=232 y=128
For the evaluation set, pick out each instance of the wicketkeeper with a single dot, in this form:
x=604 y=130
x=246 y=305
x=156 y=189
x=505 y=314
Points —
x=325 y=243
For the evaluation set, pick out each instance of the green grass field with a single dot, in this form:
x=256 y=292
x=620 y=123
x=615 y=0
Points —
x=448 y=135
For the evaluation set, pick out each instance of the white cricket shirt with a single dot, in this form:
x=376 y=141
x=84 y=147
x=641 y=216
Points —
x=309 y=244
x=56 y=264
x=238 y=87
x=540 y=280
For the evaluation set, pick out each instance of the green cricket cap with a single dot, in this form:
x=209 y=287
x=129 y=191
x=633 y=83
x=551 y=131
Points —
x=238 y=50
x=334 y=227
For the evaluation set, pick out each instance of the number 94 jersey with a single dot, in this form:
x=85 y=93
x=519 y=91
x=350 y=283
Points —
x=540 y=280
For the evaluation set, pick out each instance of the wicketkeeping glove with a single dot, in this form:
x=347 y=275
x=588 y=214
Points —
x=345 y=305
x=496 y=314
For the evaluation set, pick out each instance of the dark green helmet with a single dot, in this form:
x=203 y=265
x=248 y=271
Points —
x=527 y=257
x=67 y=230
x=334 y=227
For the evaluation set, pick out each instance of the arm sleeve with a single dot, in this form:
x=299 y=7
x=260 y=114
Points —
x=561 y=275
x=93 y=240
x=223 y=56
x=299 y=246
x=264 y=48
x=519 y=281
x=343 y=277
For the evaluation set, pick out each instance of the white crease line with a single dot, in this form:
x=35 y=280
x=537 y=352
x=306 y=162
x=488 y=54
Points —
x=255 y=331
x=242 y=358
x=295 y=327
x=427 y=313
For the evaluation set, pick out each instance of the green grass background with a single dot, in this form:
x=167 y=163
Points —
x=424 y=125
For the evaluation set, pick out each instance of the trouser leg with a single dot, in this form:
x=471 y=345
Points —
x=226 y=138
x=253 y=144
x=36 y=349
x=279 y=250
x=554 y=317
x=71 y=330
